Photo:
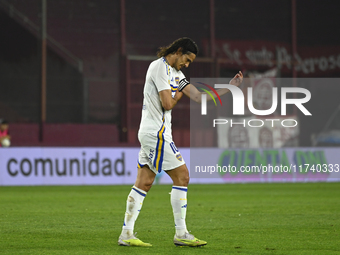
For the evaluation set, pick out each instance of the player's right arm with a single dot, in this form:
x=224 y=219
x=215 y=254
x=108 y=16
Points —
x=168 y=102
x=161 y=77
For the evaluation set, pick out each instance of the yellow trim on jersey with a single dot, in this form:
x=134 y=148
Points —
x=173 y=89
x=160 y=146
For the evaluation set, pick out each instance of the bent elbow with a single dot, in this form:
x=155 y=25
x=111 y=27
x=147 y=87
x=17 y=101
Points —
x=167 y=107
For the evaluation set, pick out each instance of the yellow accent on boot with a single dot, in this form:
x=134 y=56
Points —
x=132 y=241
x=188 y=240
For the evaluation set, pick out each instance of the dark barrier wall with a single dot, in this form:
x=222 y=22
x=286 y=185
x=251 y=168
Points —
x=20 y=65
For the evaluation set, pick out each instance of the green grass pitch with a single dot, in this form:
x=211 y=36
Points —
x=285 y=218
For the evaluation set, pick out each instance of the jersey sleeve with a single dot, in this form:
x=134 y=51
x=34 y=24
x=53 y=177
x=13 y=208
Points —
x=183 y=82
x=161 y=76
x=181 y=76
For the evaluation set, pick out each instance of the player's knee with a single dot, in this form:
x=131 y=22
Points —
x=148 y=185
x=187 y=179
x=184 y=180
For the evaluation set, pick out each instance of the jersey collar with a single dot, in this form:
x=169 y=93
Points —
x=166 y=61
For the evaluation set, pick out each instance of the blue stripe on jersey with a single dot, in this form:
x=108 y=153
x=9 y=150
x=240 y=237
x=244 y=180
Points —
x=173 y=88
x=156 y=154
x=157 y=163
x=159 y=149
x=172 y=147
x=162 y=154
x=167 y=66
x=165 y=60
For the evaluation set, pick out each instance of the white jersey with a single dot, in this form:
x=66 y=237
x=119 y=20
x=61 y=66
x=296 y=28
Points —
x=155 y=119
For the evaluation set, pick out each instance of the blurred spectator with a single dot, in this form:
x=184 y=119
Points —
x=5 y=138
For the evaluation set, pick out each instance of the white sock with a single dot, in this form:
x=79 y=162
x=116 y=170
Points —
x=133 y=206
x=178 y=197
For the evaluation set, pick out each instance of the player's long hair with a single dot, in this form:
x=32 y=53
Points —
x=186 y=44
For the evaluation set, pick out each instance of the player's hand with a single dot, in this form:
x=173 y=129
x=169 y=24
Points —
x=237 y=80
x=178 y=95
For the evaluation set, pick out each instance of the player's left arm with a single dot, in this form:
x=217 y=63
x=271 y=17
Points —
x=194 y=94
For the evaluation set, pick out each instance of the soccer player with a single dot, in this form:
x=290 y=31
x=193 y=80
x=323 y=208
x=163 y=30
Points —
x=5 y=138
x=164 y=86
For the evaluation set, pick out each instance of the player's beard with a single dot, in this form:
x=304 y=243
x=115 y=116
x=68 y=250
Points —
x=177 y=65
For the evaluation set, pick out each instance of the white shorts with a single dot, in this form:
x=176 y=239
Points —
x=159 y=153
